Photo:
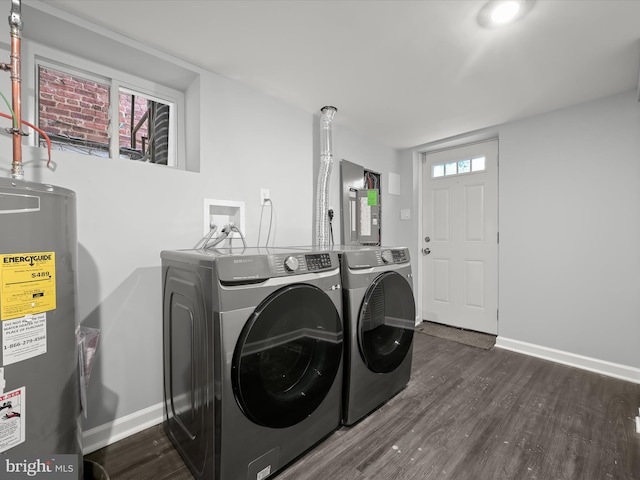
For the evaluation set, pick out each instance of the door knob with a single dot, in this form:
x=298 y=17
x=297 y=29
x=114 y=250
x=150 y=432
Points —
x=426 y=251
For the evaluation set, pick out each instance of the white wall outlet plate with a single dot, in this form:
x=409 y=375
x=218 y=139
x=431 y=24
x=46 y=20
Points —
x=221 y=213
x=264 y=195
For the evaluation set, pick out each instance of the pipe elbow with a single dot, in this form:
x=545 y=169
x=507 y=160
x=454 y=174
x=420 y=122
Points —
x=15 y=16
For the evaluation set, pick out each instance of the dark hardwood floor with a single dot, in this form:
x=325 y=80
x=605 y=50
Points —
x=466 y=414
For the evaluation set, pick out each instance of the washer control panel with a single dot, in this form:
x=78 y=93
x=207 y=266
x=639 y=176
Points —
x=291 y=264
x=318 y=261
x=296 y=263
x=254 y=265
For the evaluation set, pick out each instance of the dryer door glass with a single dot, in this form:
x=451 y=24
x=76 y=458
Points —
x=288 y=356
x=386 y=323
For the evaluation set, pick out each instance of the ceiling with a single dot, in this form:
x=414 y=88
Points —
x=406 y=73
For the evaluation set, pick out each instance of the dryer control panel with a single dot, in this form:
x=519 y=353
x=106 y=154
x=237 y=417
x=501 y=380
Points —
x=369 y=258
x=394 y=256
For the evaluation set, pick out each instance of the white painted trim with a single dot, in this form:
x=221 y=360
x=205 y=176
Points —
x=616 y=370
x=417 y=194
x=123 y=427
x=638 y=86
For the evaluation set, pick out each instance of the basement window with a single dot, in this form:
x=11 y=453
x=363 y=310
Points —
x=460 y=167
x=101 y=116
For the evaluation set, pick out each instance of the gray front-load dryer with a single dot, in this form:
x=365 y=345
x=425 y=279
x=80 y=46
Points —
x=379 y=314
x=253 y=346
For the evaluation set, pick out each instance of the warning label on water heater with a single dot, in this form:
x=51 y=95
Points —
x=12 y=419
x=27 y=284
x=24 y=338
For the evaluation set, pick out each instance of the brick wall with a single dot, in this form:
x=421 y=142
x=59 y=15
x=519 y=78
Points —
x=79 y=108
x=125 y=119
x=73 y=106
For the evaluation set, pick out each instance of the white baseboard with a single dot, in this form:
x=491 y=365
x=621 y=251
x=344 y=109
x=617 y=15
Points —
x=603 y=367
x=99 y=437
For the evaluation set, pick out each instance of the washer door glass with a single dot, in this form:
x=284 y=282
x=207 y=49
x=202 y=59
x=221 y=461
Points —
x=287 y=356
x=386 y=323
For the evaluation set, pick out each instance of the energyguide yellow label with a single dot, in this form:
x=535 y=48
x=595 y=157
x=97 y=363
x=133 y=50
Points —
x=27 y=284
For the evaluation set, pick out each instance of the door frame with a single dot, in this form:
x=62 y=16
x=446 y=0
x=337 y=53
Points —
x=418 y=166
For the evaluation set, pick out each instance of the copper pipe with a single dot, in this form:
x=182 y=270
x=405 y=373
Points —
x=15 y=22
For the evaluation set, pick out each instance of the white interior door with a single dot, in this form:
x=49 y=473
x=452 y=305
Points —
x=460 y=237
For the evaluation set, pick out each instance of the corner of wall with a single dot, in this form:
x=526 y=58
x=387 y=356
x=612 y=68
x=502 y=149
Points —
x=193 y=118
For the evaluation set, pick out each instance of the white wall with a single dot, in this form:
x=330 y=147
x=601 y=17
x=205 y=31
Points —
x=570 y=229
x=569 y=221
x=128 y=212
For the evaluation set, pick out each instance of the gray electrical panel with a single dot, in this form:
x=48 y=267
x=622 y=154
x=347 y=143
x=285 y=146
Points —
x=360 y=209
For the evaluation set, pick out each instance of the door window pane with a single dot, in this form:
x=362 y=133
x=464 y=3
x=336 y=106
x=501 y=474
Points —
x=437 y=171
x=459 y=167
x=477 y=164
x=451 y=168
x=464 y=166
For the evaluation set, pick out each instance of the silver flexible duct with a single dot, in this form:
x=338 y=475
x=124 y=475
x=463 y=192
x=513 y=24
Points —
x=323 y=233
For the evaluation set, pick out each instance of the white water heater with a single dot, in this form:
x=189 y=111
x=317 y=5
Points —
x=39 y=384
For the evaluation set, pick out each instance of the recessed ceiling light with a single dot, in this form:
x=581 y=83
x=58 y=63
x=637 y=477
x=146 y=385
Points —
x=505 y=12
x=496 y=13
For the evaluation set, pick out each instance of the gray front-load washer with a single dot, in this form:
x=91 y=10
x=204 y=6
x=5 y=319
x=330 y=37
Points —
x=253 y=346
x=379 y=314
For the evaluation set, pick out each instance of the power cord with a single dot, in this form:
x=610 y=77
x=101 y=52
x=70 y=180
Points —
x=233 y=228
x=330 y=214
x=207 y=243
x=205 y=240
x=266 y=244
